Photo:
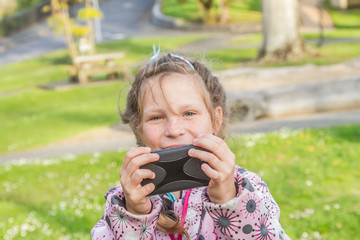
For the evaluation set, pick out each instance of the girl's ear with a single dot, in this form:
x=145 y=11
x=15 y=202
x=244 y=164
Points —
x=218 y=119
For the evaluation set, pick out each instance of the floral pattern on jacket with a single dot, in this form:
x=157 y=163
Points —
x=252 y=214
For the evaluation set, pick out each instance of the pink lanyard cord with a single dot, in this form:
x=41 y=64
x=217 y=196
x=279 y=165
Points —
x=183 y=216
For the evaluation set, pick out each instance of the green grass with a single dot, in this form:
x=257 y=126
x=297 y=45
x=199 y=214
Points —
x=346 y=23
x=230 y=57
x=36 y=117
x=313 y=175
x=326 y=55
x=247 y=11
x=255 y=38
x=31 y=116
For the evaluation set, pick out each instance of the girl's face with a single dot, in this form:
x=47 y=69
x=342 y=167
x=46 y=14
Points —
x=174 y=112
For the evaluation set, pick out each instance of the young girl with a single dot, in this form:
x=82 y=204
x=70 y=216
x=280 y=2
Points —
x=175 y=101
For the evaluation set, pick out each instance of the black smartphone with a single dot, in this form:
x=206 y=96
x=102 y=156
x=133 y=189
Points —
x=176 y=170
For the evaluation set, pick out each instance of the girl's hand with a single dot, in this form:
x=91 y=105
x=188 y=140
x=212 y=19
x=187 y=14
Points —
x=219 y=167
x=131 y=177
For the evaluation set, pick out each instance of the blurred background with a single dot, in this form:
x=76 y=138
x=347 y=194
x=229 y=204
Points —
x=291 y=70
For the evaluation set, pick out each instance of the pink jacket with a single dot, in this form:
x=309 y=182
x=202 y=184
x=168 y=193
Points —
x=252 y=214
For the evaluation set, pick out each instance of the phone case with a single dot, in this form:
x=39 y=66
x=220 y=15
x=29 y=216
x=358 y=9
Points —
x=176 y=170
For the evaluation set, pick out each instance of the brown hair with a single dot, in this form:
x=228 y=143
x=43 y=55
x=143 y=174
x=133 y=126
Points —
x=214 y=96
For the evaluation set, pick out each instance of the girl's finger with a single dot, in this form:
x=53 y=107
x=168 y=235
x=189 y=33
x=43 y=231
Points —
x=139 y=161
x=134 y=152
x=208 y=157
x=210 y=172
x=139 y=175
x=146 y=189
x=212 y=143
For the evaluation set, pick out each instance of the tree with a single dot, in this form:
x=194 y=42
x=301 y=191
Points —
x=73 y=30
x=7 y=7
x=281 y=35
x=224 y=11
x=205 y=7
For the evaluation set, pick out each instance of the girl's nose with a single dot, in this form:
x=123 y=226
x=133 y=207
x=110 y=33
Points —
x=173 y=128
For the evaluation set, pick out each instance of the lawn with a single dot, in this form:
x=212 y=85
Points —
x=246 y=11
x=326 y=55
x=31 y=116
x=313 y=175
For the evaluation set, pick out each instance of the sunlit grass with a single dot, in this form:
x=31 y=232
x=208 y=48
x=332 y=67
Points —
x=247 y=11
x=36 y=117
x=31 y=116
x=326 y=55
x=313 y=175
x=346 y=25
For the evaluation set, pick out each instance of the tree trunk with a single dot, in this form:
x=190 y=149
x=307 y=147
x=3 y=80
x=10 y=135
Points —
x=205 y=6
x=61 y=10
x=224 y=11
x=90 y=24
x=281 y=36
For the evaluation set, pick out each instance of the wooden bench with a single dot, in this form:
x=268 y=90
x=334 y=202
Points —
x=84 y=67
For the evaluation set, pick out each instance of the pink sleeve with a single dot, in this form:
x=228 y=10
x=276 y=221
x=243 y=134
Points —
x=118 y=223
x=252 y=214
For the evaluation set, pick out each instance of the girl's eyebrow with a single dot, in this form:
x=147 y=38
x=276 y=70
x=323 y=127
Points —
x=152 y=110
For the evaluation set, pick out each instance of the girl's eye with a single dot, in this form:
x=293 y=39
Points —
x=155 y=118
x=189 y=114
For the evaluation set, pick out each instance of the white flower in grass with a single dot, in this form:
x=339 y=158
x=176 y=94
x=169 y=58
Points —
x=66 y=237
x=309 y=211
x=79 y=213
x=285 y=133
x=89 y=206
x=327 y=207
x=304 y=235
x=336 y=206
x=24 y=228
x=62 y=205
x=249 y=144
x=93 y=161
x=316 y=235
x=7 y=167
x=309 y=183
x=11 y=147
x=52 y=213
x=96 y=154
